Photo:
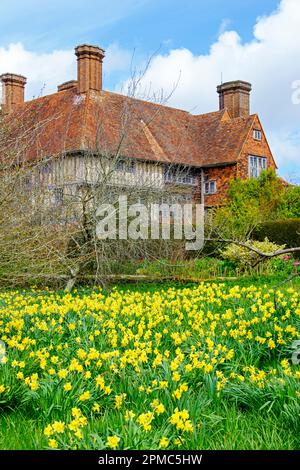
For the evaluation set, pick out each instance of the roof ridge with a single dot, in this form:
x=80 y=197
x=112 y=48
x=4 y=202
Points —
x=73 y=91
x=210 y=113
x=162 y=105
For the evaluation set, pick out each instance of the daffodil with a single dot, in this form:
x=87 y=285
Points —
x=113 y=442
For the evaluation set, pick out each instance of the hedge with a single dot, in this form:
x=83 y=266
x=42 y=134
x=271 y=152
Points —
x=283 y=232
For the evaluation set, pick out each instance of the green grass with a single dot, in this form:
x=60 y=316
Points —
x=20 y=432
x=269 y=281
x=224 y=427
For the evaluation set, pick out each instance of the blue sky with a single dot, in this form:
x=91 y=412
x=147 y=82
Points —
x=145 y=24
x=204 y=38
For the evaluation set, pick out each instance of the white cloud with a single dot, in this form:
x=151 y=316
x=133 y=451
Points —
x=270 y=62
x=117 y=59
x=46 y=71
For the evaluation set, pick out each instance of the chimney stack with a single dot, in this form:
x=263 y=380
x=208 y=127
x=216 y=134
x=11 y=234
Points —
x=89 y=67
x=13 y=91
x=235 y=96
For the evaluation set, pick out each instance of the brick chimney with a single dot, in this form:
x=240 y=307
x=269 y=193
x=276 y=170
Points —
x=235 y=96
x=89 y=67
x=13 y=91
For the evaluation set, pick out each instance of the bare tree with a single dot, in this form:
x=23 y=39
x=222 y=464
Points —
x=49 y=216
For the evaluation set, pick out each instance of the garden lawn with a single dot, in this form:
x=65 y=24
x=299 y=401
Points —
x=206 y=366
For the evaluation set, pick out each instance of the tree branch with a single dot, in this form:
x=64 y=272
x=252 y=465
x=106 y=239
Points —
x=262 y=254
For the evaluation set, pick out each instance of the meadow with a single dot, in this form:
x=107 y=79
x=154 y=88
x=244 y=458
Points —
x=203 y=366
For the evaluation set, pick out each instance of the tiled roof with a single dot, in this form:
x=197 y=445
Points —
x=109 y=122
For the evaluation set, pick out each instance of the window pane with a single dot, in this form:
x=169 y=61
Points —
x=256 y=165
x=179 y=175
x=257 y=134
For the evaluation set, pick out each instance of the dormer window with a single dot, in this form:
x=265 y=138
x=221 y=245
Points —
x=257 y=134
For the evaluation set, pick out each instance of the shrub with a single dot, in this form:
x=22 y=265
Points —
x=285 y=232
x=253 y=201
x=243 y=257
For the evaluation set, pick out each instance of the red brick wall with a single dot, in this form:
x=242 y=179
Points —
x=223 y=176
